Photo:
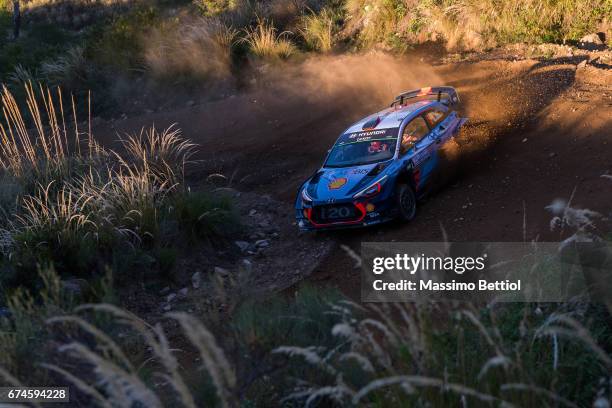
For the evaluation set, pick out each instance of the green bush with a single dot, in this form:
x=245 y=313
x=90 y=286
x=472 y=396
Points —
x=261 y=326
x=201 y=215
x=120 y=44
x=74 y=255
x=43 y=42
x=215 y=7
x=24 y=335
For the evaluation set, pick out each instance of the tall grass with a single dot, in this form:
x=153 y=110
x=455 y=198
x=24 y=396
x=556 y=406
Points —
x=473 y=24
x=395 y=355
x=318 y=30
x=164 y=154
x=23 y=333
x=201 y=49
x=48 y=148
x=117 y=381
x=264 y=42
x=65 y=211
x=316 y=350
x=70 y=70
x=519 y=21
x=76 y=203
x=80 y=209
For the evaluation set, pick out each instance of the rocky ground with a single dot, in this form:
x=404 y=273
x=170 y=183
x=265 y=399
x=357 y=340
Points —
x=269 y=256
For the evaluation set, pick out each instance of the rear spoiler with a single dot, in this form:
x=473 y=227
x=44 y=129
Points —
x=445 y=94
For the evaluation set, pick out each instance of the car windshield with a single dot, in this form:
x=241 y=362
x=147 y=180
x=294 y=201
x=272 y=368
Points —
x=354 y=149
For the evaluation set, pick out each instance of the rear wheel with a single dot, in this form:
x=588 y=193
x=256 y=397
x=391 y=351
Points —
x=406 y=202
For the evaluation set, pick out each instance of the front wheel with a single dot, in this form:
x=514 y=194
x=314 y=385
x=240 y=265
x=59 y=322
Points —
x=406 y=202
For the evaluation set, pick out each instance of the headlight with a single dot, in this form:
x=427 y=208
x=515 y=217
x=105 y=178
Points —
x=305 y=196
x=372 y=189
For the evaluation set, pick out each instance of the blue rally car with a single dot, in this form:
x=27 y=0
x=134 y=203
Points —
x=380 y=166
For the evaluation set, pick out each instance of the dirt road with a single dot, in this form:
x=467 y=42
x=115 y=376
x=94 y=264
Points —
x=538 y=131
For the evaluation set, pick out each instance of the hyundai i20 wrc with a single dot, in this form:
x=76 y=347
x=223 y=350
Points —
x=381 y=165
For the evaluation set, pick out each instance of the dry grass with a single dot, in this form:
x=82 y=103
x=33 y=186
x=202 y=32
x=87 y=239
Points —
x=71 y=190
x=165 y=154
x=69 y=70
x=116 y=380
x=471 y=24
x=375 y=22
x=66 y=211
x=95 y=201
x=201 y=49
x=391 y=355
x=264 y=42
x=391 y=350
x=49 y=147
x=318 y=30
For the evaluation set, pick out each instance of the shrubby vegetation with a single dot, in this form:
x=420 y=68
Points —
x=204 y=41
x=320 y=349
x=474 y=24
x=320 y=29
x=264 y=41
x=79 y=221
x=71 y=203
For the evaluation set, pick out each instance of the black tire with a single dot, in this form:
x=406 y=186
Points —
x=406 y=202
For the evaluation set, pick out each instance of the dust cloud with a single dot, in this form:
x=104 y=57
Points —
x=368 y=79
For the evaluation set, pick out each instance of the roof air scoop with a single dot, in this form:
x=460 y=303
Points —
x=371 y=124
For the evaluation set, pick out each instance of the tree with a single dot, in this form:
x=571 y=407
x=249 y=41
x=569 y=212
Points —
x=16 y=19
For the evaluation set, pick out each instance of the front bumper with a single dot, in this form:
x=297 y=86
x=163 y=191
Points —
x=364 y=215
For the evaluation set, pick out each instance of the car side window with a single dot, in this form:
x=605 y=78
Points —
x=434 y=117
x=414 y=131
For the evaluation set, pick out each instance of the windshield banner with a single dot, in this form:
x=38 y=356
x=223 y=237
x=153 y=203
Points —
x=368 y=135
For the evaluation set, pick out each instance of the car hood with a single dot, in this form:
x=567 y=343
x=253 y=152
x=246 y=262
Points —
x=339 y=183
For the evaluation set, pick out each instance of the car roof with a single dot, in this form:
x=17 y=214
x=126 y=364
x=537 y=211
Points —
x=389 y=117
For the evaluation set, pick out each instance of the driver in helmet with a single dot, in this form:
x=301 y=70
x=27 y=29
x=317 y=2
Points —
x=377 y=147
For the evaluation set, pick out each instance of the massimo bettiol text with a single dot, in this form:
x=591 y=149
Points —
x=459 y=265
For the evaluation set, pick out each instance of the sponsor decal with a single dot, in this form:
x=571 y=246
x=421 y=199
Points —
x=337 y=183
x=370 y=135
